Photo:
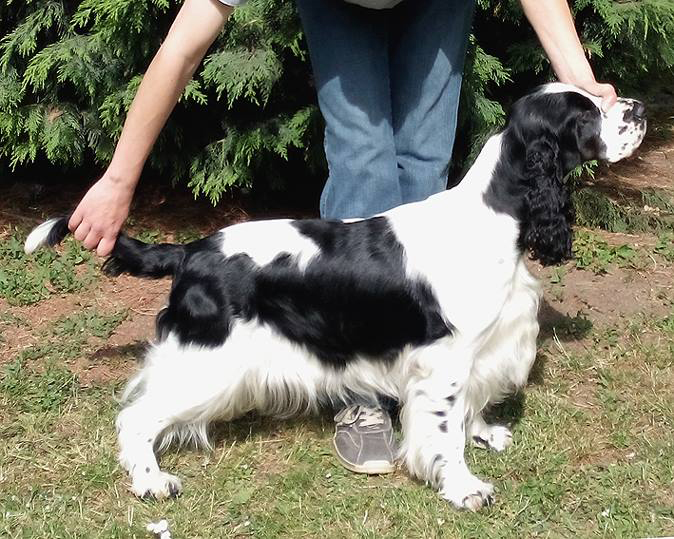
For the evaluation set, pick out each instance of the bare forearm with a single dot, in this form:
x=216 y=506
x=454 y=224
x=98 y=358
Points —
x=166 y=77
x=553 y=23
x=156 y=97
x=100 y=214
x=555 y=28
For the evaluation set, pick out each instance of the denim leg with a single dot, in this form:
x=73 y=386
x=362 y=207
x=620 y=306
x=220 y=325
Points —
x=349 y=50
x=427 y=56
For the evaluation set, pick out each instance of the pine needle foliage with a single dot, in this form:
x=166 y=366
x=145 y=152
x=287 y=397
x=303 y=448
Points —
x=69 y=71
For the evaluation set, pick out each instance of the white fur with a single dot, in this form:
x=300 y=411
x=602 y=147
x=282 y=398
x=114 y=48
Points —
x=561 y=87
x=621 y=138
x=263 y=240
x=38 y=236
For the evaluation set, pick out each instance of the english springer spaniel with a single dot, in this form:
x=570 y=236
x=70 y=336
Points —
x=429 y=303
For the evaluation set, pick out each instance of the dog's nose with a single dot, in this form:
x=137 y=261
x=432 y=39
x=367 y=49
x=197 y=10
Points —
x=639 y=111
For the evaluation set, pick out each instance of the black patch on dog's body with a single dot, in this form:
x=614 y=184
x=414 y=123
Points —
x=209 y=291
x=352 y=300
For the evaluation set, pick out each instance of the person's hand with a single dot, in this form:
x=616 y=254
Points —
x=100 y=214
x=601 y=89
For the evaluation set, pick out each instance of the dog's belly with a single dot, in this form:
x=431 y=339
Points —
x=286 y=378
x=258 y=369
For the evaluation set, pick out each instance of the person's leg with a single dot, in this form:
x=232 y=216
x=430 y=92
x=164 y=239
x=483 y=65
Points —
x=349 y=53
x=427 y=57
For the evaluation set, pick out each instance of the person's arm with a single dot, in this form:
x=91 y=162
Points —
x=100 y=214
x=554 y=26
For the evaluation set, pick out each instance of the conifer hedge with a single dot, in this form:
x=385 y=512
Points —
x=69 y=70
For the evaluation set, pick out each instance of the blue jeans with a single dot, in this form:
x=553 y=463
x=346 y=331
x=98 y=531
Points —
x=388 y=85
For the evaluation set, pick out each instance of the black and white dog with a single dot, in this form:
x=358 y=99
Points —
x=429 y=303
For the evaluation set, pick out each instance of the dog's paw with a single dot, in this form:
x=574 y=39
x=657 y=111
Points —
x=494 y=437
x=157 y=485
x=471 y=494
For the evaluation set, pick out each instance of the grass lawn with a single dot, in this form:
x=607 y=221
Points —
x=593 y=451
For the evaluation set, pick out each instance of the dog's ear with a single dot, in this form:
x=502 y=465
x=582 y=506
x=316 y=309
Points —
x=548 y=212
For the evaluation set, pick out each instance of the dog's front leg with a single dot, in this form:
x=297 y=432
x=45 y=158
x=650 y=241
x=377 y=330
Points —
x=433 y=423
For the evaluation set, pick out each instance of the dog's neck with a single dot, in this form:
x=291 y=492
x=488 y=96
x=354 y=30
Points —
x=505 y=186
x=480 y=176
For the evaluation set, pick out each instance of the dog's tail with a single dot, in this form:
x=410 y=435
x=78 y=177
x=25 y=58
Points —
x=129 y=255
x=49 y=233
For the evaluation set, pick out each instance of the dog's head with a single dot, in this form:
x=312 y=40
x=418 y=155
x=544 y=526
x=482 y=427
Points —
x=565 y=126
x=551 y=131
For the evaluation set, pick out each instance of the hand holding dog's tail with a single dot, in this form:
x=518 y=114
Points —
x=128 y=256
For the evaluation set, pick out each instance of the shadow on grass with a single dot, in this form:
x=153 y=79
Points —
x=509 y=412
x=134 y=350
x=254 y=425
x=566 y=328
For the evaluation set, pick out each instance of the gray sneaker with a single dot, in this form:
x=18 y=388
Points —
x=364 y=441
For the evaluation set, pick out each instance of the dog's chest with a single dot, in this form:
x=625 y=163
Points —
x=472 y=269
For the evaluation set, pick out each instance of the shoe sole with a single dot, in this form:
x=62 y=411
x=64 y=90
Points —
x=371 y=467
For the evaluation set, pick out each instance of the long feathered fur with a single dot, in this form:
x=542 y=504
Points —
x=548 y=212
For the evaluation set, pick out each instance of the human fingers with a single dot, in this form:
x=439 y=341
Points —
x=105 y=246
x=82 y=231
x=608 y=96
x=92 y=239
x=606 y=92
x=75 y=220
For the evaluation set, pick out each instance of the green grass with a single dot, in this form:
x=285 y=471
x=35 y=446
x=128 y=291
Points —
x=38 y=379
x=37 y=391
x=8 y=321
x=593 y=452
x=88 y=322
x=150 y=236
x=665 y=246
x=28 y=279
x=592 y=253
x=593 y=457
x=68 y=337
x=653 y=212
x=187 y=235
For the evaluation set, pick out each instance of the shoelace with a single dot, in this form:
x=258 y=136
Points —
x=366 y=416
x=370 y=417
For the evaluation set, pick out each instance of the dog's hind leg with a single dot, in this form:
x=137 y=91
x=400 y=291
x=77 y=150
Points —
x=183 y=388
x=179 y=391
x=433 y=422
x=485 y=436
x=138 y=427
